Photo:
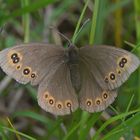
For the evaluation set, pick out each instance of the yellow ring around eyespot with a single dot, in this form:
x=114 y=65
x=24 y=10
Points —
x=105 y=92
x=90 y=101
x=34 y=74
x=50 y=98
x=46 y=95
x=110 y=80
x=128 y=61
x=18 y=66
x=98 y=99
x=68 y=102
x=28 y=75
x=59 y=103
x=9 y=56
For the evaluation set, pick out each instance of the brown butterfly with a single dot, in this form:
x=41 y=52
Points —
x=68 y=78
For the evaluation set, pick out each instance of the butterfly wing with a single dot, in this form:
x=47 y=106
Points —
x=31 y=62
x=56 y=93
x=92 y=97
x=110 y=66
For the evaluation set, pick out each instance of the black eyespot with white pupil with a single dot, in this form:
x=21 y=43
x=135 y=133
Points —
x=33 y=75
x=14 y=55
x=88 y=103
x=26 y=71
x=68 y=104
x=112 y=76
x=51 y=101
x=124 y=60
x=16 y=60
x=105 y=95
x=98 y=102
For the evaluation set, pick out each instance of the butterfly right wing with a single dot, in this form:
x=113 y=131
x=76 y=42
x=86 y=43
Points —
x=92 y=97
x=31 y=62
x=110 y=66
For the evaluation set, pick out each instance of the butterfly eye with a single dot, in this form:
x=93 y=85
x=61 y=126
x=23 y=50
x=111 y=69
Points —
x=112 y=76
x=98 y=101
x=88 y=102
x=26 y=71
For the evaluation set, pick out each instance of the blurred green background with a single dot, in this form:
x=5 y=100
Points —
x=111 y=22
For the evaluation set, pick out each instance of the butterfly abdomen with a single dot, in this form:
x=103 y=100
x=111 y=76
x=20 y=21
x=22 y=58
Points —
x=73 y=63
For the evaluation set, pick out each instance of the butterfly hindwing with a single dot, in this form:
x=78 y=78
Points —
x=92 y=97
x=56 y=93
x=30 y=62
x=110 y=66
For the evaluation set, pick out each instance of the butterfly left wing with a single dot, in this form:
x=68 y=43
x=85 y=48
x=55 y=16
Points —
x=31 y=62
x=110 y=66
x=92 y=97
x=56 y=93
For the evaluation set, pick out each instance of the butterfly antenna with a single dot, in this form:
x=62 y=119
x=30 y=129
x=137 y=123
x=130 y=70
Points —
x=65 y=37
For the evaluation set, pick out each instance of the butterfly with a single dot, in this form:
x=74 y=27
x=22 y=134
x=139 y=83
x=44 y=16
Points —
x=69 y=78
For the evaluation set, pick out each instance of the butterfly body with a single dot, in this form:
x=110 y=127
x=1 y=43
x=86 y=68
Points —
x=68 y=78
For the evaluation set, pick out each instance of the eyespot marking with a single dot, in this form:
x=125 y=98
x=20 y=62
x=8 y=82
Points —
x=105 y=95
x=59 y=105
x=27 y=71
x=46 y=95
x=124 y=60
x=16 y=60
x=98 y=101
x=118 y=71
x=112 y=76
x=18 y=67
x=14 y=55
x=68 y=103
x=51 y=101
x=121 y=64
x=88 y=102
x=33 y=75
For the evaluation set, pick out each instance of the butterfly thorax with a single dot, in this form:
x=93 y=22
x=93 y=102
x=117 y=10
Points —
x=73 y=63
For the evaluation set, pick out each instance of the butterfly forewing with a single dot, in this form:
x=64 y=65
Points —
x=31 y=62
x=110 y=66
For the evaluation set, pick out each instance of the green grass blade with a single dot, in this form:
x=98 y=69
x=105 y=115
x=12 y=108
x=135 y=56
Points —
x=94 y=22
x=17 y=132
x=26 y=22
x=27 y=9
x=113 y=119
x=79 y=22
x=120 y=130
